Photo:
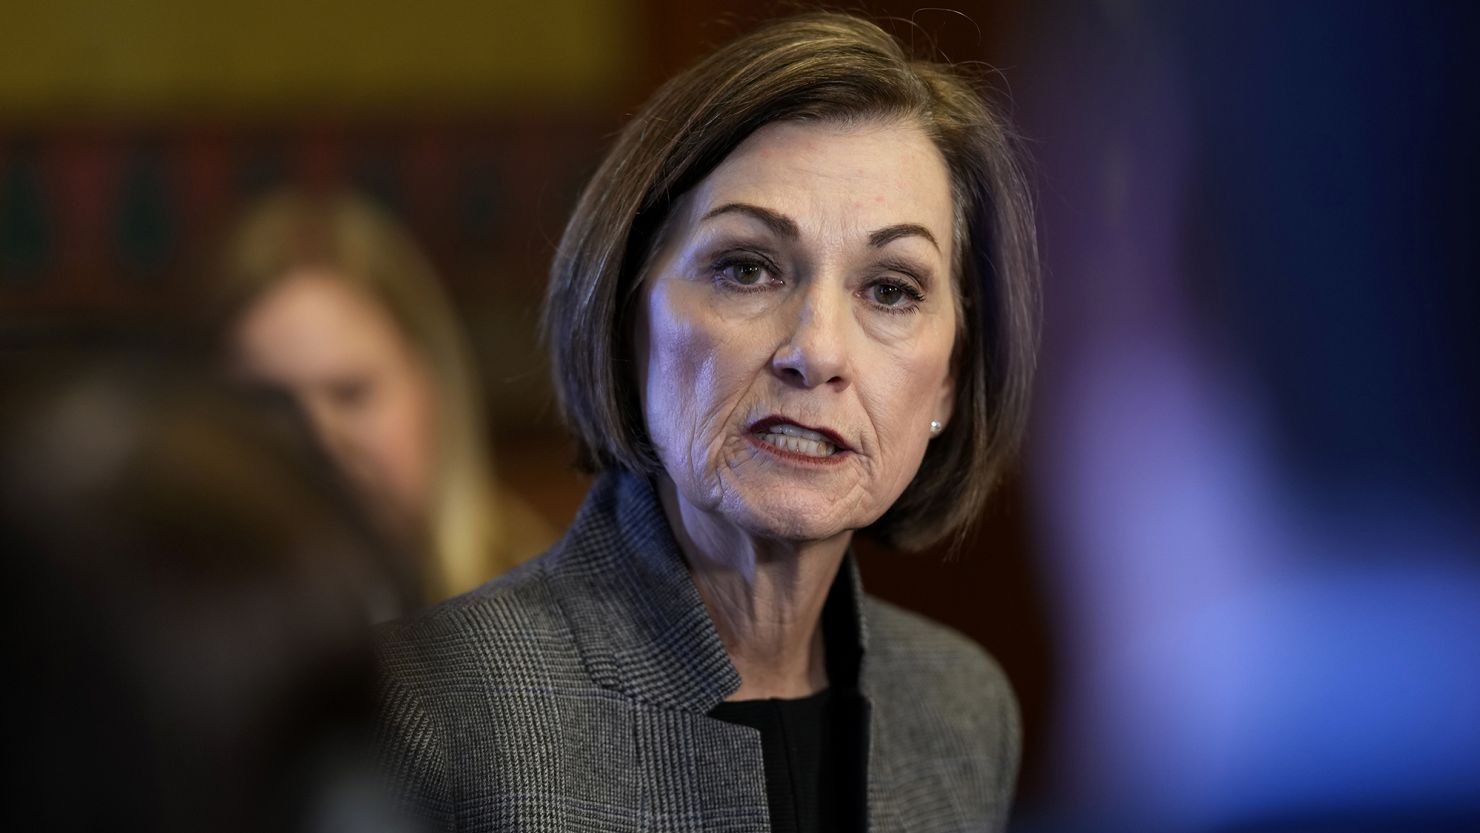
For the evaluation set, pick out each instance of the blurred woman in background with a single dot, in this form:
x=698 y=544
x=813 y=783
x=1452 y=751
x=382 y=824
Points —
x=327 y=298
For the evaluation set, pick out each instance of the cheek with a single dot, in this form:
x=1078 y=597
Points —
x=399 y=433
x=904 y=399
x=694 y=370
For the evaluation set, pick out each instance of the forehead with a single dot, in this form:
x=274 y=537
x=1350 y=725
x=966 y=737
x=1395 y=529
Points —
x=312 y=312
x=318 y=294
x=875 y=172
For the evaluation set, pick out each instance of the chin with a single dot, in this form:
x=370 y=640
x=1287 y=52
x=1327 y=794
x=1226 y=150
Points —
x=789 y=514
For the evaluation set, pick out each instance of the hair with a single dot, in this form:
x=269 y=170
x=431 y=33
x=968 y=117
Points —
x=196 y=587
x=361 y=245
x=816 y=67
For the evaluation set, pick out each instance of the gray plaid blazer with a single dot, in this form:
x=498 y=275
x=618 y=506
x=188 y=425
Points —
x=571 y=695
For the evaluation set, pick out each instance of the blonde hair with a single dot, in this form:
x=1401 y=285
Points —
x=347 y=235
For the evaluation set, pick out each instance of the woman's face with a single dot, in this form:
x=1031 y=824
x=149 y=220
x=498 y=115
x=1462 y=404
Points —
x=366 y=392
x=796 y=327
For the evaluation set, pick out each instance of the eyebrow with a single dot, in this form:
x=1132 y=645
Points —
x=784 y=226
x=889 y=234
x=778 y=223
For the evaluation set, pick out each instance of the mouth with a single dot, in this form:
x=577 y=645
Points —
x=788 y=439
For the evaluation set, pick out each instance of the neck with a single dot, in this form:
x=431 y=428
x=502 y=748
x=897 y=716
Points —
x=765 y=596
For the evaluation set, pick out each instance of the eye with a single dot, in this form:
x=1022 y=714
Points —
x=744 y=273
x=747 y=274
x=894 y=296
x=350 y=393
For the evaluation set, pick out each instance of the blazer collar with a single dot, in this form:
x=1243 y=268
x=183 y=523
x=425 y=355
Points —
x=641 y=627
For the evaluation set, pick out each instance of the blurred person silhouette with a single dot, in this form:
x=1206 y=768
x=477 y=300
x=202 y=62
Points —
x=327 y=298
x=1257 y=455
x=191 y=589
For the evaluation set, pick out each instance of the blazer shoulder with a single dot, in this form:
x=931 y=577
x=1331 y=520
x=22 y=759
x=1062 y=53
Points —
x=505 y=623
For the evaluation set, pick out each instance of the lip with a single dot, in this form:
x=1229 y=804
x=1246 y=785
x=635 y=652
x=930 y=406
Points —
x=760 y=426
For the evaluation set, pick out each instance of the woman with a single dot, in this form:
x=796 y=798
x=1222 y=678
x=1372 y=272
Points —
x=328 y=299
x=795 y=302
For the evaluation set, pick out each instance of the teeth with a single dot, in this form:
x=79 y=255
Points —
x=797 y=431
x=799 y=445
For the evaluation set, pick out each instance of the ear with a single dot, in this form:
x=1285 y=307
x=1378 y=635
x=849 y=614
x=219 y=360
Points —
x=944 y=405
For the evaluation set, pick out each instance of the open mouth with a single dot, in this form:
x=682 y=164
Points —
x=790 y=438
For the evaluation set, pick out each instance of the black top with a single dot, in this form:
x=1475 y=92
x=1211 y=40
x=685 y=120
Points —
x=815 y=748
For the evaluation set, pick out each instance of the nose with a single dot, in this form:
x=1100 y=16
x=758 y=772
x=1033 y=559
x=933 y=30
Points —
x=815 y=352
x=336 y=435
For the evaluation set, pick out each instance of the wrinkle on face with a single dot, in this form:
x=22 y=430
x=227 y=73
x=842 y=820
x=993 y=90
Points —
x=715 y=359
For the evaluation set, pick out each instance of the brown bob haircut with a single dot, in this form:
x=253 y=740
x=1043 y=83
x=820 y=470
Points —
x=822 y=67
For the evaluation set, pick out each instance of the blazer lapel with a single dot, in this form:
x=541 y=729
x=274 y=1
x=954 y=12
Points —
x=644 y=633
x=637 y=618
x=704 y=774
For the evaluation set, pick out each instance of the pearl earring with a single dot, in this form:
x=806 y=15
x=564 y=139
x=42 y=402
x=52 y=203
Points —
x=935 y=428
